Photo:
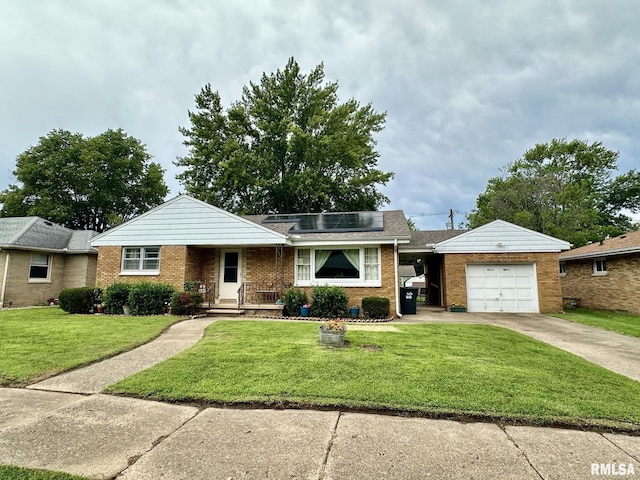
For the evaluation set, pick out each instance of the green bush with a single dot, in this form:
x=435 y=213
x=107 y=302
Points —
x=79 y=300
x=147 y=298
x=185 y=303
x=375 y=307
x=293 y=299
x=115 y=296
x=329 y=302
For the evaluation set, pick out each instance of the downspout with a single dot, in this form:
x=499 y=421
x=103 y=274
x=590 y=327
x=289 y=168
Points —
x=4 y=279
x=395 y=266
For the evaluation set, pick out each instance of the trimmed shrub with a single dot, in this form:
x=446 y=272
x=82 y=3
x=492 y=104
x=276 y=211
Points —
x=185 y=303
x=79 y=300
x=375 y=307
x=115 y=296
x=293 y=299
x=147 y=298
x=329 y=302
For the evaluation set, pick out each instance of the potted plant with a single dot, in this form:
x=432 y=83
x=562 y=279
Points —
x=354 y=311
x=126 y=308
x=305 y=310
x=100 y=308
x=456 y=307
x=332 y=332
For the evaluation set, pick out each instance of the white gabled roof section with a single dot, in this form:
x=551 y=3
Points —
x=501 y=237
x=185 y=220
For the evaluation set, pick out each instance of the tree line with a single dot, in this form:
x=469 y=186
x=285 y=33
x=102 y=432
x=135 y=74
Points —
x=288 y=145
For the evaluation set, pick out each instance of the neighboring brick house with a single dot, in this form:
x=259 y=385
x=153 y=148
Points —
x=248 y=261
x=604 y=275
x=498 y=267
x=39 y=258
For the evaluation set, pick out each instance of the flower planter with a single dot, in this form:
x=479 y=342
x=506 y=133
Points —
x=126 y=309
x=458 y=309
x=333 y=338
x=354 y=312
x=304 y=311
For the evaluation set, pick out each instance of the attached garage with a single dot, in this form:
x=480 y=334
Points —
x=502 y=267
x=502 y=287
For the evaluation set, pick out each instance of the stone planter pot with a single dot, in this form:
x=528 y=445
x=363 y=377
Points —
x=126 y=309
x=333 y=338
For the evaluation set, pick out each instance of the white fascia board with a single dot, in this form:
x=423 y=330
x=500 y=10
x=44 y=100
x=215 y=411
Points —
x=335 y=242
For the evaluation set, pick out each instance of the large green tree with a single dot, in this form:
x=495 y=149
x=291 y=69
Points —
x=286 y=146
x=85 y=183
x=566 y=189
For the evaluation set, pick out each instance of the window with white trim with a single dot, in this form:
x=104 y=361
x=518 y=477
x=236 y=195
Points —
x=563 y=269
x=143 y=260
x=351 y=266
x=39 y=267
x=600 y=266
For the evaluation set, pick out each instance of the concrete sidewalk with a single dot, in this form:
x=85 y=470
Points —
x=101 y=436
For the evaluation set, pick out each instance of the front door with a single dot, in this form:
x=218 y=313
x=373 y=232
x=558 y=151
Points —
x=230 y=275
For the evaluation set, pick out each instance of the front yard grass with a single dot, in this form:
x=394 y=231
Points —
x=18 y=473
x=624 y=323
x=36 y=343
x=477 y=371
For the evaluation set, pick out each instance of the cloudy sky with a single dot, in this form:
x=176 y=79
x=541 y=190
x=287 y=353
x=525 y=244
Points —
x=467 y=86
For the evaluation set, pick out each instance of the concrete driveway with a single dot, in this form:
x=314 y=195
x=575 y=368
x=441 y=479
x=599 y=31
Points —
x=613 y=351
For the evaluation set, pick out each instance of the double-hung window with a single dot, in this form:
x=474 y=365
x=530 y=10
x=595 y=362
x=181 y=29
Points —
x=600 y=266
x=141 y=260
x=352 y=266
x=39 y=267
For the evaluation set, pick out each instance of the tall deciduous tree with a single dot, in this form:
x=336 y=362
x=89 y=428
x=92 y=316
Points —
x=85 y=183
x=566 y=189
x=287 y=146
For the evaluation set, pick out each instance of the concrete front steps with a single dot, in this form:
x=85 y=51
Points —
x=246 y=309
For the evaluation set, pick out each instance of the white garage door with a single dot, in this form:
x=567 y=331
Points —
x=502 y=288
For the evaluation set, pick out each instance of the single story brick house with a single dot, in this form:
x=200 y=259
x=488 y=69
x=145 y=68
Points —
x=39 y=258
x=247 y=261
x=604 y=275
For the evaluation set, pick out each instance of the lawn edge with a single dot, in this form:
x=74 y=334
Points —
x=582 y=424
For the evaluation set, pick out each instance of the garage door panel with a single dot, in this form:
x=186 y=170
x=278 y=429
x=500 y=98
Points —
x=501 y=288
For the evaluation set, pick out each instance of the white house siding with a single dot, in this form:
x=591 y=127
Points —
x=187 y=221
x=501 y=237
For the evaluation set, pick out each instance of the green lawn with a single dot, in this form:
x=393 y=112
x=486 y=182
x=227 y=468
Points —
x=39 y=342
x=16 y=473
x=477 y=370
x=616 y=322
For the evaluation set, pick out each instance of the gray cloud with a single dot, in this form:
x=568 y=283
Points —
x=467 y=87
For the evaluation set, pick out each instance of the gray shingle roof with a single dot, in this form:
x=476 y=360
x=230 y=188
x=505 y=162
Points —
x=422 y=238
x=37 y=233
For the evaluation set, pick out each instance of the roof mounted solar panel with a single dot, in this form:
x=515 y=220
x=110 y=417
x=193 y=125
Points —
x=331 y=222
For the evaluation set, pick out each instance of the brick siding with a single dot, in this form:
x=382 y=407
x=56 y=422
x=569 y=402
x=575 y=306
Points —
x=547 y=270
x=617 y=290
x=19 y=291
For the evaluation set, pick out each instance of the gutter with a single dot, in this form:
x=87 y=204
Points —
x=4 y=280
x=395 y=266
